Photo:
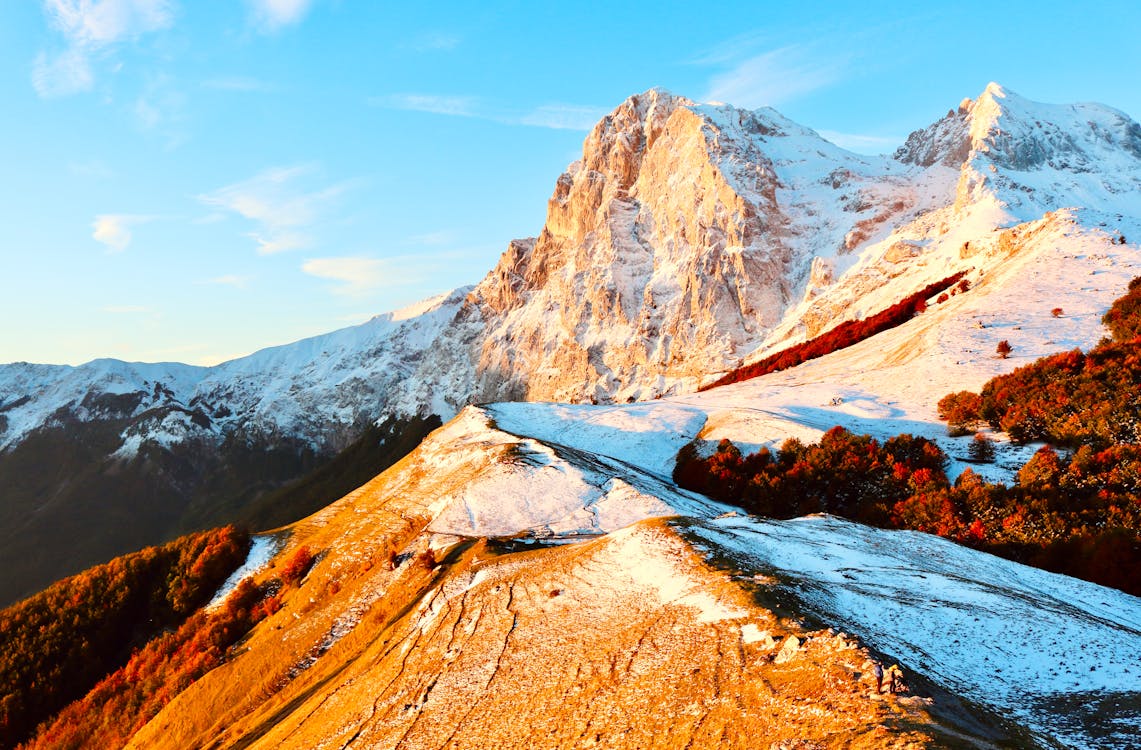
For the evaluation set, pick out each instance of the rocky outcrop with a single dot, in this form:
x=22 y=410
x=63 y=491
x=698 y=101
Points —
x=663 y=257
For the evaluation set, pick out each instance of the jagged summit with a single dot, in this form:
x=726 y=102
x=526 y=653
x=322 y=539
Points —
x=1019 y=134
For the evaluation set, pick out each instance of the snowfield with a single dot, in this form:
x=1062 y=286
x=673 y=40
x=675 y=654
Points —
x=1057 y=654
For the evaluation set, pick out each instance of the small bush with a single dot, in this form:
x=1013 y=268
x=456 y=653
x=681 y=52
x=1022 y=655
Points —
x=960 y=409
x=982 y=449
x=427 y=560
x=1056 y=312
x=297 y=566
x=1004 y=349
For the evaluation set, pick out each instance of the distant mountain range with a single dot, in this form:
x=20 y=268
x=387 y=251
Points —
x=688 y=239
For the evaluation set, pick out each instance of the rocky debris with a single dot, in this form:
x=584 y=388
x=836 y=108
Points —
x=788 y=650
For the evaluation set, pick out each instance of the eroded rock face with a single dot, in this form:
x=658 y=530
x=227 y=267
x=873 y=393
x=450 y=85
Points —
x=662 y=255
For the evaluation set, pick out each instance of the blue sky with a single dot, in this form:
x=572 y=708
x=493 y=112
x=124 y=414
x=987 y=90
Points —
x=193 y=181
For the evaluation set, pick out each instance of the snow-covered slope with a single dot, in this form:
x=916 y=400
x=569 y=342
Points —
x=320 y=390
x=1054 y=654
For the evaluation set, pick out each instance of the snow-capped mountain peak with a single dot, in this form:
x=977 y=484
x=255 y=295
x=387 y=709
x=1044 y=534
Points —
x=1033 y=157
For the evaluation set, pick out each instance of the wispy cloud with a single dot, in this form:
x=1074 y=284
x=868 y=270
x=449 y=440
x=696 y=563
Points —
x=90 y=28
x=863 y=144
x=66 y=73
x=114 y=230
x=776 y=76
x=359 y=276
x=556 y=115
x=458 y=106
x=273 y=15
x=278 y=201
x=564 y=117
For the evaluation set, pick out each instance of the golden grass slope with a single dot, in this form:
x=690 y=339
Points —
x=626 y=640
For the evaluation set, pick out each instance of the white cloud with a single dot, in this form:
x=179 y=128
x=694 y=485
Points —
x=272 y=15
x=358 y=276
x=89 y=28
x=276 y=200
x=65 y=74
x=863 y=144
x=114 y=230
x=279 y=243
x=564 y=117
x=98 y=23
x=776 y=76
x=557 y=116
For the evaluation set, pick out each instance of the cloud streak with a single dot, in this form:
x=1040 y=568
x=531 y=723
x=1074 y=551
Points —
x=359 y=276
x=456 y=106
x=90 y=28
x=558 y=116
x=278 y=203
x=273 y=15
x=775 y=77
x=114 y=230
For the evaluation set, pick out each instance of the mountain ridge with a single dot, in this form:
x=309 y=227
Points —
x=690 y=238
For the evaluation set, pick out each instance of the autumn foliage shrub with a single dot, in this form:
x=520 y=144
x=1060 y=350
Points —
x=961 y=410
x=1124 y=317
x=1055 y=516
x=297 y=565
x=59 y=643
x=126 y=699
x=844 y=474
x=121 y=703
x=842 y=336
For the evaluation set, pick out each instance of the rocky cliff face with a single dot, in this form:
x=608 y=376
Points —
x=662 y=255
x=672 y=249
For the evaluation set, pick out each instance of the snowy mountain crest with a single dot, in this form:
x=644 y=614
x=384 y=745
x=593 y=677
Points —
x=687 y=239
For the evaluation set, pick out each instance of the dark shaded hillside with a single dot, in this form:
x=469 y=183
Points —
x=56 y=645
x=65 y=505
x=378 y=448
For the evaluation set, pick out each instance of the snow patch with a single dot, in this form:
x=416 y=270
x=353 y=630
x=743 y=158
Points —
x=262 y=549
